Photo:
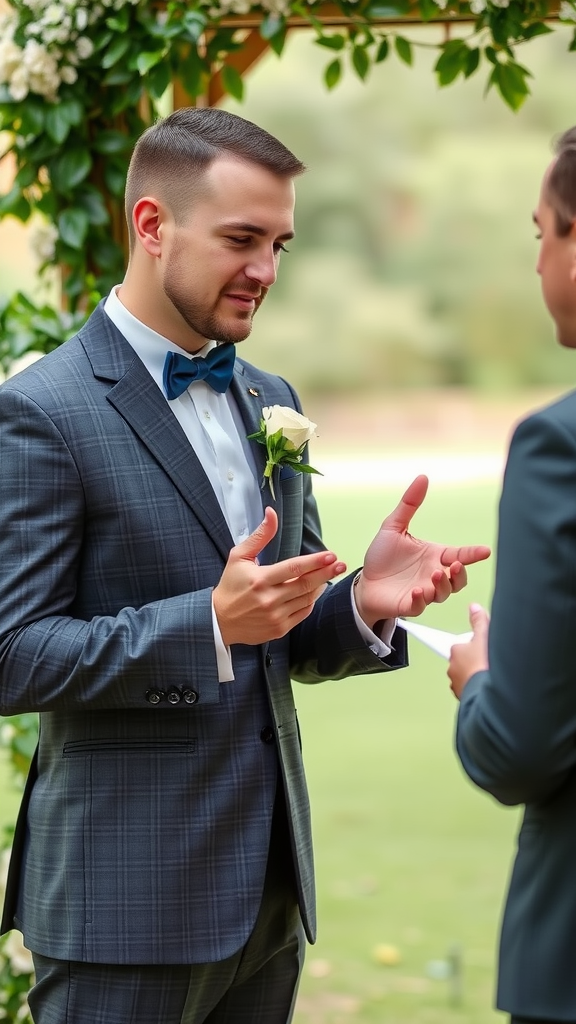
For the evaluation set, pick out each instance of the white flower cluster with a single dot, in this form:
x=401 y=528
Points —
x=476 y=6
x=280 y=7
x=223 y=7
x=42 y=240
x=567 y=11
x=55 y=44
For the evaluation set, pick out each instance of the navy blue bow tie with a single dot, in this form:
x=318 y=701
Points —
x=216 y=369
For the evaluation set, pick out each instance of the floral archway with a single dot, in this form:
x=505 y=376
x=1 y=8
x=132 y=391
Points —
x=80 y=80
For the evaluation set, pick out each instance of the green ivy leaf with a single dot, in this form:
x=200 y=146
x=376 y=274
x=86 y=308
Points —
x=33 y=118
x=451 y=62
x=146 y=61
x=334 y=42
x=110 y=141
x=232 y=81
x=101 y=39
x=333 y=73
x=125 y=99
x=73 y=227
x=118 y=48
x=428 y=9
x=42 y=149
x=46 y=204
x=360 y=61
x=403 y=49
x=107 y=254
x=115 y=177
x=159 y=79
x=15 y=204
x=472 y=62
x=382 y=51
x=278 y=41
x=119 y=22
x=57 y=122
x=192 y=72
x=69 y=169
x=510 y=81
x=537 y=28
x=271 y=25
x=26 y=176
x=118 y=76
x=194 y=24
x=92 y=202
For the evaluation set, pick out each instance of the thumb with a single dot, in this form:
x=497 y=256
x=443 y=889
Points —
x=479 y=620
x=262 y=535
x=399 y=519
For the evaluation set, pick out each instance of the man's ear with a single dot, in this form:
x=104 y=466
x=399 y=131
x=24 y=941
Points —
x=147 y=218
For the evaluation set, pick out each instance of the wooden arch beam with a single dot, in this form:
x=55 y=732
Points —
x=331 y=16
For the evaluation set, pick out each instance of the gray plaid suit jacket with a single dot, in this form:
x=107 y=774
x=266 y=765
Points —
x=144 y=829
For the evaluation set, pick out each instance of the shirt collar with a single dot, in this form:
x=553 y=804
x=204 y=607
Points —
x=149 y=346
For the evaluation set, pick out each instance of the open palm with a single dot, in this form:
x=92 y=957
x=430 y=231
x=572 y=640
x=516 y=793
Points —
x=402 y=574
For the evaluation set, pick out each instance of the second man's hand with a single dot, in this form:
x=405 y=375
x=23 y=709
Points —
x=401 y=574
x=256 y=603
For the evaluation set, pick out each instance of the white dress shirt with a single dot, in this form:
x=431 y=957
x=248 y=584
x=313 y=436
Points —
x=214 y=427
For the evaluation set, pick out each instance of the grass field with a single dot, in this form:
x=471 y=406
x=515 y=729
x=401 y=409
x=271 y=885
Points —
x=408 y=854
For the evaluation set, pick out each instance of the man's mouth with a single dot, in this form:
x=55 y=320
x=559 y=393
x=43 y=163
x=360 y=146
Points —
x=243 y=301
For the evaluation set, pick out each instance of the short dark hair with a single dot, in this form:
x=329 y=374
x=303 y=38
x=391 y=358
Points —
x=174 y=153
x=560 y=189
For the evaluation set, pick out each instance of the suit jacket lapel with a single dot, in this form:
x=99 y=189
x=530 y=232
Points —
x=249 y=392
x=139 y=401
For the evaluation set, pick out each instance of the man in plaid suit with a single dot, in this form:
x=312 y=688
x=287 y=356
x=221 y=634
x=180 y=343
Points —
x=154 y=603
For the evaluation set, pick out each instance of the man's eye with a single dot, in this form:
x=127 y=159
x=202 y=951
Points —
x=239 y=240
x=280 y=247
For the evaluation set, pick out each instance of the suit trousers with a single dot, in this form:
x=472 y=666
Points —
x=257 y=984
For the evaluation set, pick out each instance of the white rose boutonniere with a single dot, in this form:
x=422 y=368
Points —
x=285 y=433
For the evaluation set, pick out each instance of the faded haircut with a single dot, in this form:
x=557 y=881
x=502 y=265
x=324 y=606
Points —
x=171 y=157
x=560 y=189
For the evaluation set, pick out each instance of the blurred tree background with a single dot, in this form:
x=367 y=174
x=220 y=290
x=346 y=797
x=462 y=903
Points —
x=413 y=265
x=414 y=261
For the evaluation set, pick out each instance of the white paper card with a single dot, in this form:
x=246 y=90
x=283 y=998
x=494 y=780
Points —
x=437 y=639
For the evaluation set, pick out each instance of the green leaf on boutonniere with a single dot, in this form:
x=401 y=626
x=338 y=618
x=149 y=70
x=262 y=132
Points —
x=285 y=434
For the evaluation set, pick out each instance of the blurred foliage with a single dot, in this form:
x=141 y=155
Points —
x=18 y=735
x=414 y=261
x=79 y=83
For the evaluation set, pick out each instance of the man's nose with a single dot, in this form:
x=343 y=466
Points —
x=263 y=269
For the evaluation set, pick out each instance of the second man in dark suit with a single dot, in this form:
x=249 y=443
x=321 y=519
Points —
x=516 y=679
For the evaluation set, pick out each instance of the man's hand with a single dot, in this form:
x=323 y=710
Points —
x=466 y=659
x=255 y=603
x=402 y=575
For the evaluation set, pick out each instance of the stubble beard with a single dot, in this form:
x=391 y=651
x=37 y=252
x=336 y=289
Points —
x=206 y=322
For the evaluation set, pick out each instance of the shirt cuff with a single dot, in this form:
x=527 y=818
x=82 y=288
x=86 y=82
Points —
x=223 y=656
x=381 y=645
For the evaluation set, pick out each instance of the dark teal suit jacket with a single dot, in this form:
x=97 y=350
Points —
x=516 y=731
x=144 y=832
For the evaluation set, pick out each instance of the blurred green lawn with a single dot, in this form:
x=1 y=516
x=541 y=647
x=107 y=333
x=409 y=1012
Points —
x=408 y=853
